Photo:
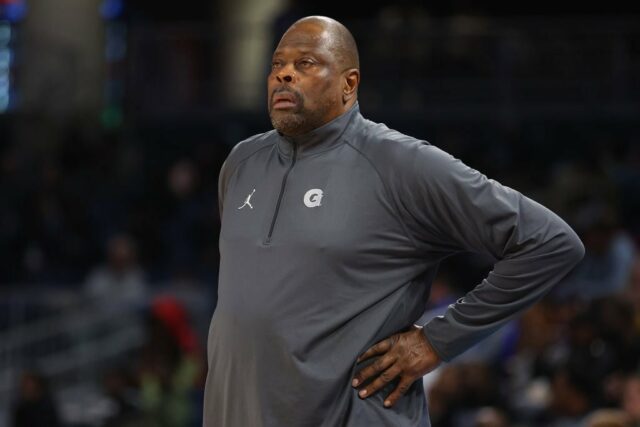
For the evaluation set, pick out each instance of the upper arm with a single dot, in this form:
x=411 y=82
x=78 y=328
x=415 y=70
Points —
x=456 y=208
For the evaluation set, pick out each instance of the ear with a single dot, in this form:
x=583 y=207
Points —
x=351 y=81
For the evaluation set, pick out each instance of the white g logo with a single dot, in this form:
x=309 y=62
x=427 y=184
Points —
x=313 y=197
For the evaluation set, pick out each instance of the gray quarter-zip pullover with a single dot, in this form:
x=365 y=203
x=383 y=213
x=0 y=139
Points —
x=329 y=243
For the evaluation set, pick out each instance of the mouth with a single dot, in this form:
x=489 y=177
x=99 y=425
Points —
x=284 y=101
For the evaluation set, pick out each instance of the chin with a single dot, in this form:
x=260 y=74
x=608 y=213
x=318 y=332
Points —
x=289 y=124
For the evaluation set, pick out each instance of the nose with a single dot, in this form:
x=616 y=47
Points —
x=285 y=74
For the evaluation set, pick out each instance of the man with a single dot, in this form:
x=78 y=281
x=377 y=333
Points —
x=332 y=230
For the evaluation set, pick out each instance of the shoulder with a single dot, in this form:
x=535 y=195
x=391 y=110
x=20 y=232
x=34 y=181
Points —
x=245 y=149
x=394 y=152
x=248 y=147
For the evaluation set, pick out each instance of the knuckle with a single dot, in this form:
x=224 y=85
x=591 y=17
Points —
x=385 y=376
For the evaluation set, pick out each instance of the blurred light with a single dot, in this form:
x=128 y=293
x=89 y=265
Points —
x=116 y=44
x=5 y=63
x=115 y=51
x=114 y=89
x=111 y=117
x=14 y=10
x=4 y=102
x=111 y=9
x=5 y=34
x=5 y=59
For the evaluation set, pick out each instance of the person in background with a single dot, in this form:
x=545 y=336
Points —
x=631 y=398
x=120 y=278
x=171 y=367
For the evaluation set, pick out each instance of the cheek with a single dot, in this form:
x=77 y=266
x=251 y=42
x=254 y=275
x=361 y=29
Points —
x=321 y=91
x=271 y=82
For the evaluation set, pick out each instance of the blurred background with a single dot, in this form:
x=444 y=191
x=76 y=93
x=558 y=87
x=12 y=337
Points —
x=115 y=116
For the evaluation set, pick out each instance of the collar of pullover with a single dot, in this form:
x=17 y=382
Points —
x=320 y=139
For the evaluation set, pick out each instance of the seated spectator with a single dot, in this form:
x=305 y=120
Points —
x=121 y=392
x=571 y=398
x=172 y=367
x=490 y=417
x=631 y=398
x=610 y=251
x=120 y=278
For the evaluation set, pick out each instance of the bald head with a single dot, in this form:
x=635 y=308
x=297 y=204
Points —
x=339 y=39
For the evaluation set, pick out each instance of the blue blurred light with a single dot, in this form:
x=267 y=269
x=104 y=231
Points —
x=4 y=102
x=14 y=11
x=5 y=58
x=5 y=34
x=115 y=51
x=111 y=9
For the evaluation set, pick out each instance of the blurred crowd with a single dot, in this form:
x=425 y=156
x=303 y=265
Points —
x=158 y=384
x=66 y=201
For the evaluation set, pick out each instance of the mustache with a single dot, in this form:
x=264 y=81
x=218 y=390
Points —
x=288 y=91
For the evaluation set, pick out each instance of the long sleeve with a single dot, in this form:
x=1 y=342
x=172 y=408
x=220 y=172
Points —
x=222 y=183
x=455 y=208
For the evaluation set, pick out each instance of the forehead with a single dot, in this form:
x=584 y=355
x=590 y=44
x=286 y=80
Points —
x=305 y=38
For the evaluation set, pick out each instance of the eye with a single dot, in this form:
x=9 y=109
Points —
x=276 y=64
x=305 y=63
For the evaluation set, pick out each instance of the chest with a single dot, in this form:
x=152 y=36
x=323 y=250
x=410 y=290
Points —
x=334 y=202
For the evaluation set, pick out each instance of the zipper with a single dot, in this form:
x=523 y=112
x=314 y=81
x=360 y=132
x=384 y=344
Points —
x=282 y=188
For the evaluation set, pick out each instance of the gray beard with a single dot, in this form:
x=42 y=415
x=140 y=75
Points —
x=290 y=124
x=300 y=121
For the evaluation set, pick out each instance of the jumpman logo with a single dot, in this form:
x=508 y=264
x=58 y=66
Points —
x=247 y=201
